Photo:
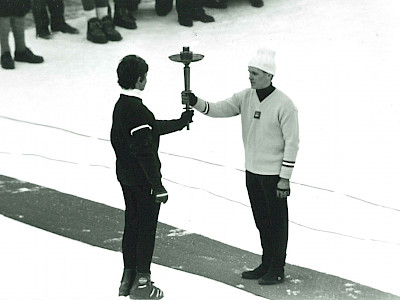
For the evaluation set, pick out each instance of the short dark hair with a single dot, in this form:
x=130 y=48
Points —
x=130 y=68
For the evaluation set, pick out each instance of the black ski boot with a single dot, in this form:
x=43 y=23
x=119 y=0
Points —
x=257 y=273
x=109 y=29
x=143 y=288
x=95 y=33
x=126 y=282
x=123 y=18
x=6 y=61
x=28 y=56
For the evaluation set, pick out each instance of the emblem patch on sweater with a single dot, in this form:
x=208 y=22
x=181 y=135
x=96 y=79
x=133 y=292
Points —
x=257 y=114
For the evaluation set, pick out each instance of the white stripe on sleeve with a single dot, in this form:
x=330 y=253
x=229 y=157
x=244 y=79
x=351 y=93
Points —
x=139 y=128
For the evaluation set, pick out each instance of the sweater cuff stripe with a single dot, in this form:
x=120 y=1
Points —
x=206 y=109
x=288 y=164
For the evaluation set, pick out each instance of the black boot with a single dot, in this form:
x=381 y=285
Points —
x=126 y=282
x=109 y=29
x=200 y=15
x=163 y=7
x=123 y=19
x=28 y=56
x=257 y=3
x=43 y=33
x=130 y=15
x=6 y=61
x=64 y=28
x=95 y=33
x=143 y=288
x=257 y=273
x=185 y=21
x=273 y=276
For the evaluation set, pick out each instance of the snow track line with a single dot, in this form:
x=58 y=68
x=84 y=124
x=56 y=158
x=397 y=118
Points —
x=183 y=157
x=221 y=197
x=43 y=125
x=102 y=226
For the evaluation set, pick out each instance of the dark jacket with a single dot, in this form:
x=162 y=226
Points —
x=135 y=137
x=14 y=8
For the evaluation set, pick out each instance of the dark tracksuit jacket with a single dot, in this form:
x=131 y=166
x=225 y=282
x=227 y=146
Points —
x=135 y=137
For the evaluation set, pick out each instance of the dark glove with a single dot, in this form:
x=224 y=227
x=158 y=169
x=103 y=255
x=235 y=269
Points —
x=189 y=98
x=282 y=193
x=187 y=117
x=160 y=194
x=283 y=188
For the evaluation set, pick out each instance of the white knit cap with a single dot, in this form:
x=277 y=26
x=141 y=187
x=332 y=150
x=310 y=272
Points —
x=264 y=60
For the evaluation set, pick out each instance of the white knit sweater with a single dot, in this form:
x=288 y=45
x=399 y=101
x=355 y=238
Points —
x=270 y=129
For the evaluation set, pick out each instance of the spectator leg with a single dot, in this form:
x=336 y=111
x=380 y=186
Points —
x=56 y=9
x=5 y=28
x=18 y=29
x=40 y=15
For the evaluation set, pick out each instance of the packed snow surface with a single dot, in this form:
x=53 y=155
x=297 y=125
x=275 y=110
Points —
x=337 y=60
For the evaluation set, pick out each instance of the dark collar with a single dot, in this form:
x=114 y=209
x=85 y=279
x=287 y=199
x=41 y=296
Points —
x=264 y=93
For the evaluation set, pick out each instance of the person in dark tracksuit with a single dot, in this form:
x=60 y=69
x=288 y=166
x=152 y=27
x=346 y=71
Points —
x=270 y=135
x=135 y=136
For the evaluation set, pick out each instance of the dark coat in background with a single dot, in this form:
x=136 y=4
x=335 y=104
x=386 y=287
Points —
x=14 y=8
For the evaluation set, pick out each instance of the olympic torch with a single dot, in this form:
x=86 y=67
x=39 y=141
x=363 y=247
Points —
x=186 y=57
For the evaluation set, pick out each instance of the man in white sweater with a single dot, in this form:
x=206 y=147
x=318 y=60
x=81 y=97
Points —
x=270 y=135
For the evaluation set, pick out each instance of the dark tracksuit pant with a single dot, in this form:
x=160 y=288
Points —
x=41 y=16
x=141 y=216
x=271 y=218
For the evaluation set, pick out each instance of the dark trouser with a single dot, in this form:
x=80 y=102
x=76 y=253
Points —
x=92 y=4
x=271 y=217
x=41 y=17
x=141 y=215
x=130 y=5
x=185 y=8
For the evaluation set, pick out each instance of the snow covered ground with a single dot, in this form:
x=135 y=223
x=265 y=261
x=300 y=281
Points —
x=337 y=60
x=41 y=266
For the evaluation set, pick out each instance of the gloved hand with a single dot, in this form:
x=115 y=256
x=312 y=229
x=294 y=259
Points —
x=283 y=188
x=188 y=98
x=187 y=117
x=160 y=194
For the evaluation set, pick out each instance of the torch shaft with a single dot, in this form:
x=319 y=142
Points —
x=186 y=73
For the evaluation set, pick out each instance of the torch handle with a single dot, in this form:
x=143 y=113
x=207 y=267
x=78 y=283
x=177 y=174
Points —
x=186 y=73
x=187 y=107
